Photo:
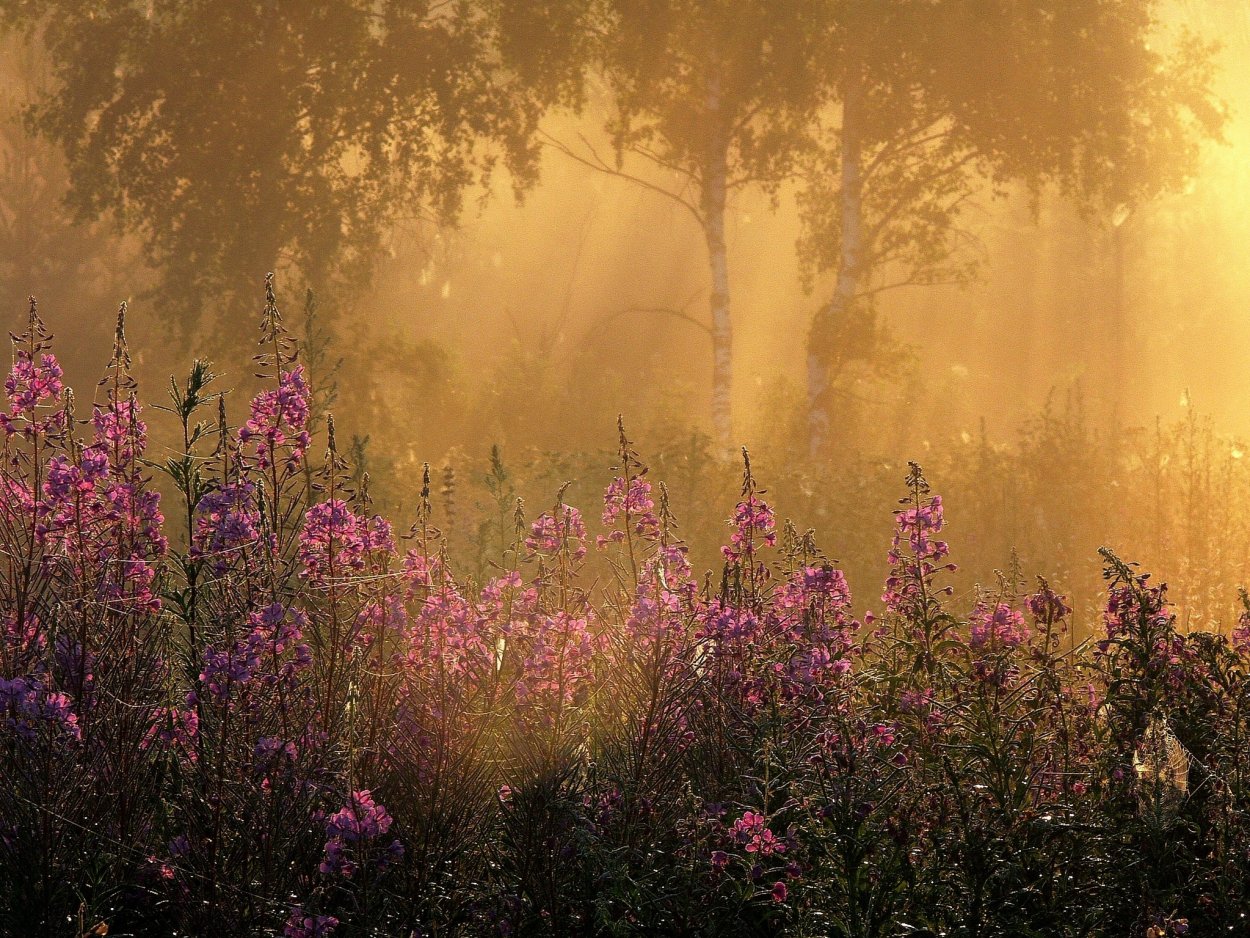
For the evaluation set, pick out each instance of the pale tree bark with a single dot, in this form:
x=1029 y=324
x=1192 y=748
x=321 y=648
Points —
x=722 y=324
x=820 y=371
x=714 y=185
x=1120 y=324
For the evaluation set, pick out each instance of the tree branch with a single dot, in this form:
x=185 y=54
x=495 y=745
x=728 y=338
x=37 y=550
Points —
x=609 y=318
x=911 y=191
x=599 y=164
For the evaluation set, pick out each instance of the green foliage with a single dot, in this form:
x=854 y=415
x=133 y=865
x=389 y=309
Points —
x=242 y=134
x=1088 y=97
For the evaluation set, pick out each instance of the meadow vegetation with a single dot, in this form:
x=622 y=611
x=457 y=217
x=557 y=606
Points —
x=234 y=699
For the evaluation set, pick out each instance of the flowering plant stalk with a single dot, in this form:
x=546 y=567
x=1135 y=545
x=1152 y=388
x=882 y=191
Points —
x=269 y=714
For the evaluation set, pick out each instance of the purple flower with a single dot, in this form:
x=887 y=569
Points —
x=226 y=518
x=999 y=626
x=336 y=541
x=351 y=832
x=301 y=924
x=1047 y=606
x=557 y=531
x=33 y=382
x=273 y=652
x=754 y=524
x=751 y=830
x=632 y=501
x=27 y=705
x=173 y=727
x=279 y=421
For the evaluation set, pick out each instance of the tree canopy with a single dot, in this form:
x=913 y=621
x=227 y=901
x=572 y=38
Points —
x=236 y=135
x=941 y=101
x=720 y=97
x=896 y=114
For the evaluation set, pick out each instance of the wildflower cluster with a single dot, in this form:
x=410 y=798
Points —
x=352 y=833
x=277 y=429
x=628 y=503
x=295 y=722
x=558 y=531
x=272 y=652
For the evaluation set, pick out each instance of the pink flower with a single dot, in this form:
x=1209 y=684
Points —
x=120 y=431
x=557 y=667
x=227 y=518
x=300 y=924
x=161 y=869
x=752 y=831
x=272 y=653
x=1241 y=634
x=1130 y=609
x=915 y=553
x=999 y=626
x=33 y=383
x=562 y=530
x=173 y=727
x=883 y=734
x=779 y=891
x=632 y=502
x=754 y=524
x=335 y=541
x=26 y=705
x=351 y=833
x=1047 y=606
x=279 y=421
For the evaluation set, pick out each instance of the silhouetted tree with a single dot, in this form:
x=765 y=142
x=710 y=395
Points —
x=942 y=99
x=899 y=111
x=720 y=96
x=72 y=266
x=242 y=135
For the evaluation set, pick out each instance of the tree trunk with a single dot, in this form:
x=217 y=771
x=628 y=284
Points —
x=712 y=206
x=850 y=268
x=1118 y=372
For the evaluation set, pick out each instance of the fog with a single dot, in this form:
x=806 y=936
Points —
x=1045 y=395
x=560 y=273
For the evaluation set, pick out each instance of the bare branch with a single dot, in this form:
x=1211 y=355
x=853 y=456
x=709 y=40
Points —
x=912 y=281
x=599 y=164
x=657 y=310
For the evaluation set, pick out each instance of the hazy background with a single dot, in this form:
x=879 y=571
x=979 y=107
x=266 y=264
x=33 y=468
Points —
x=1090 y=387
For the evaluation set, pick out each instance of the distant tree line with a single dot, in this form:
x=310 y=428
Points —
x=237 y=136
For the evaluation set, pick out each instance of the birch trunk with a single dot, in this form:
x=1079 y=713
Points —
x=722 y=325
x=850 y=268
x=712 y=199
